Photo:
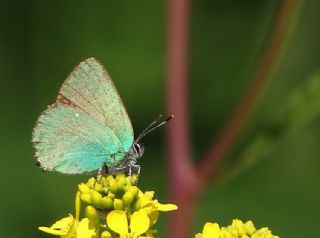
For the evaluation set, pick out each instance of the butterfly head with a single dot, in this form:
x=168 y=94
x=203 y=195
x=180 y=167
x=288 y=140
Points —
x=138 y=149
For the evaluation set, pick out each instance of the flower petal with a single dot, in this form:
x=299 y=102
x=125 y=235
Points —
x=153 y=216
x=139 y=222
x=149 y=194
x=52 y=231
x=63 y=223
x=83 y=230
x=117 y=221
x=145 y=203
x=61 y=227
x=211 y=230
x=166 y=207
x=78 y=205
x=145 y=199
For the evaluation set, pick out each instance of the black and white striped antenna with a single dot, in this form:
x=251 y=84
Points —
x=153 y=125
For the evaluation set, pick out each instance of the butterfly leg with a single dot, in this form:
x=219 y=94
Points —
x=134 y=168
x=129 y=169
x=117 y=170
x=103 y=169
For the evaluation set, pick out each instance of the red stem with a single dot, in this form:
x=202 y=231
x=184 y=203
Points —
x=185 y=185
x=181 y=170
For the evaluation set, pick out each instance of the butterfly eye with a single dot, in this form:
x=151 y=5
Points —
x=137 y=148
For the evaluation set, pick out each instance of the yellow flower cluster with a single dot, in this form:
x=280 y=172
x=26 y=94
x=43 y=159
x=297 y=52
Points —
x=237 y=229
x=115 y=207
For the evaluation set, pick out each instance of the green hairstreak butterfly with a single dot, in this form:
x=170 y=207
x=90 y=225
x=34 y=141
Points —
x=88 y=129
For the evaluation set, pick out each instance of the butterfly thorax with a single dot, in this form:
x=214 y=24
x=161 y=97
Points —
x=129 y=164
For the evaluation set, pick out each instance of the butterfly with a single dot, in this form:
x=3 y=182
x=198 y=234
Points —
x=88 y=129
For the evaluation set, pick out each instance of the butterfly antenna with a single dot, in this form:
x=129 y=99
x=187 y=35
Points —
x=154 y=125
x=148 y=127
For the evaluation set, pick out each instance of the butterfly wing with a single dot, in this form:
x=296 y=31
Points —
x=90 y=87
x=87 y=126
x=70 y=141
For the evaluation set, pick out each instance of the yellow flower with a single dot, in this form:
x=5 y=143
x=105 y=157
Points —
x=235 y=230
x=152 y=207
x=114 y=206
x=210 y=230
x=83 y=229
x=64 y=227
x=69 y=227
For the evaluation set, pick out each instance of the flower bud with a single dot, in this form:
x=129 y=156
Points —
x=134 y=179
x=137 y=205
x=226 y=233
x=96 y=198
x=121 y=177
x=134 y=190
x=113 y=187
x=91 y=214
x=111 y=195
x=91 y=182
x=249 y=226
x=239 y=226
x=117 y=204
x=121 y=188
x=98 y=187
x=109 y=179
x=127 y=187
x=106 y=203
x=102 y=179
x=86 y=197
x=105 y=190
x=106 y=234
x=84 y=188
x=128 y=180
x=128 y=198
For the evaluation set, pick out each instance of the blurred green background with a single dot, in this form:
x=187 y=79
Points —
x=277 y=180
